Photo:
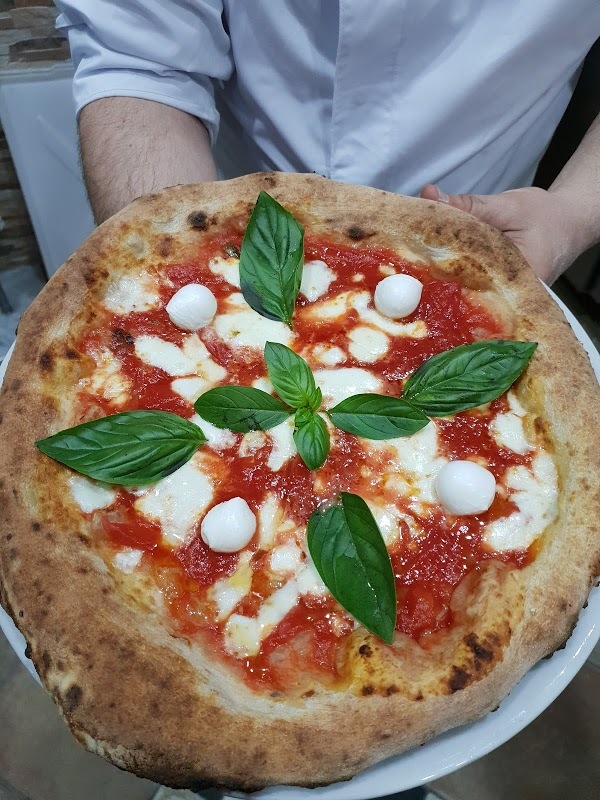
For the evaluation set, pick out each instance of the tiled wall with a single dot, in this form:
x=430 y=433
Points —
x=27 y=37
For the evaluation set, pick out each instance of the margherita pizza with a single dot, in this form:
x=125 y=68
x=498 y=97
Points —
x=314 y=480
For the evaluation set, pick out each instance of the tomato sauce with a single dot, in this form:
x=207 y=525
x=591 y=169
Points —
x=427 y=568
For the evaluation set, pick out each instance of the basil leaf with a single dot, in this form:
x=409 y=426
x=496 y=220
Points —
x=467 y=376
x=241 y=408
x=291 y=377
x=311 y=438
x=351 y=558
x=271 y=260
x=133 y=448
x=377 y=416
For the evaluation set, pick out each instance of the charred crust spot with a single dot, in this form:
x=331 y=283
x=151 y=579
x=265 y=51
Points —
x=270 y=181
x=60 y=666
x=198 y=220
x=72 y=698
x=309 y=693
x=365 y=650
x=21 y=614
x=390 y=690
x=356 y=233
x=12 y=553
x=16 y=384
x=71 y=354
x=419 y=697
x=27 y=651
x=480 y=652
x=83 y=570
x=458 y=679
x=8 y=537
x=383 y=736
x=35 y=526
x=46 y=361
x=165 y=246
x=564 y=605
x=105 y=591
x=367 y=690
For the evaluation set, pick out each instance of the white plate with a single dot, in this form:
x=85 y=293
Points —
x=532 y=695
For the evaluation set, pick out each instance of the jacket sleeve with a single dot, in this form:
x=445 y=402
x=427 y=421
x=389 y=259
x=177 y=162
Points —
x=169 y=52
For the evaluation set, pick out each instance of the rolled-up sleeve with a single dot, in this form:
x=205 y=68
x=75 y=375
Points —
x=164 y=50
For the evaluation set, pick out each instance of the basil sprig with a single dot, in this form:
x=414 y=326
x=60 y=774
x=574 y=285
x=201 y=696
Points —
x=351 y=557
x=271 y=260
x=134 y=448
x=241 y=408
x=377 y=416
x=311 y=438
x=467 y=376
x=291 y=377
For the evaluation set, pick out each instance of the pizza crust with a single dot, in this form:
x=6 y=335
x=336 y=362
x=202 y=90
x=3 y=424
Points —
x=156 y=705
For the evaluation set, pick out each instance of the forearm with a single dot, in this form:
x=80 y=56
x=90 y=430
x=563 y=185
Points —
x=131 y=147
x=578 y=188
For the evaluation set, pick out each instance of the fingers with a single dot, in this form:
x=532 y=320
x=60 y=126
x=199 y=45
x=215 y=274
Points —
x=493 y=209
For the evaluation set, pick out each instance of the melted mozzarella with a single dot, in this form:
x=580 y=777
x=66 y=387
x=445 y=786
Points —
x=309 y=581
x=251 y=443
x=217 y=438
x=90 y=495
x=328 y=355
x=507 y=429
x=270 y=517
x=367 y=344
x=226 y=593
x=337 y=384
x=127 y=559
x=535 y=494
x=416 y=462
x=243 y=635
x=343 y=302
x=264 y=384
x=107 y=380
x=190 y=388
x=286 y=558
x=282 y=444
x=246 y=328
x=178 y=501
x=132 y=293
x=228 y=268
x=191 y=359
x=316 y=279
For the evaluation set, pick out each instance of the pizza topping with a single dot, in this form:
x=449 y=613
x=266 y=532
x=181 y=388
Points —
x=190 y=388
x=192 y=358
x=351 y=557
x=367 y=344
x=467 y=376
x=243 y=327
x=241 y=408
x=338 y=384
x=316 y=279
x=464 y=487
x=135 y=292
x=291 y=377
x=127 y=559
x=228 y=527
x=534 y=492
x=271 y=260
x=192 y=307
x=377 y=416
x=135 y=448
x=398 y=296
x=282 y=444
x=507 y=429
x=228 y=268
x=286 y=558
x=178 y=502
x=89 y=495
x=311 y=438
x=327 y=355
x=226 y=593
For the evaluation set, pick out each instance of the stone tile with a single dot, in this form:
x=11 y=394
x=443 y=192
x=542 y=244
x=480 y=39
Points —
x=40 y=759
x=44 y=48
x=557 y=757
x=28 y=3
x=6 y=5
x=35 y=17
x=6 y=21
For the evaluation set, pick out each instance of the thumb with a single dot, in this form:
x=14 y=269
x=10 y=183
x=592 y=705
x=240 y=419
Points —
x=491 y=208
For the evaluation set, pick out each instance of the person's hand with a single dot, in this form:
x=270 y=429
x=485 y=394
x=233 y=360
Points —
x=542 y=224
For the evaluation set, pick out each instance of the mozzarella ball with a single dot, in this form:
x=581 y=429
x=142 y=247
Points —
x=192 y=307
x=397 y=296
x=464 y=487
x=228 y=526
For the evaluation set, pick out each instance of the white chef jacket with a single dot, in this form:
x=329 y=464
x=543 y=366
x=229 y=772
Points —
x=389 y=93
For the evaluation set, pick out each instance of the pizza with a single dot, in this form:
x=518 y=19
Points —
x=314 y=482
